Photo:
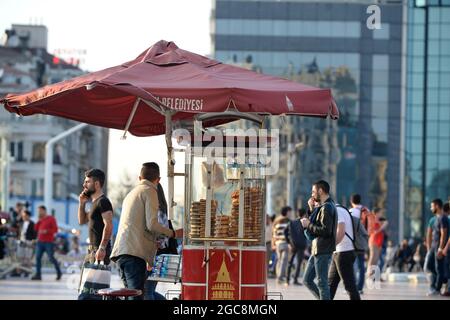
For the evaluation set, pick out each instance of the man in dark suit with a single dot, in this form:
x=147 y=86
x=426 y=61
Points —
x=26 y=235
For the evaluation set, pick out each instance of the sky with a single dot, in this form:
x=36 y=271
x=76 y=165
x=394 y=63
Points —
x=113 y=32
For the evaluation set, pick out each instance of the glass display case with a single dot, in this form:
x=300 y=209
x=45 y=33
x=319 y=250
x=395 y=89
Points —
x=224 y=223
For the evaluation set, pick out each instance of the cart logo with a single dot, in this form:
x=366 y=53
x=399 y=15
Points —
x=223 y=288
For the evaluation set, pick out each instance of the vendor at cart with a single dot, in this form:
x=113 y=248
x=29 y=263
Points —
x=135 y=245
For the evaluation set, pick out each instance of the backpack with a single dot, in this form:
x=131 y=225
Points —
x=360 y=236
x=296 y=235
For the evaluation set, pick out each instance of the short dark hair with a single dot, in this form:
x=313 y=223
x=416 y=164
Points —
x=438 y=202
x=43 y=207
x=301 y=212
x=322 y=184
x=27 y=212
x=150 y=171
x=447 y=207
x=285 y=210
x=96 y=175
x=355 y=198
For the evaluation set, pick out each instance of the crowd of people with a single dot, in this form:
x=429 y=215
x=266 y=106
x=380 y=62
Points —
x=25 y=240
x=325 y=241
x=330 y=242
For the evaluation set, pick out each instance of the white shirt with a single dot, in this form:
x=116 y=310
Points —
x=24 y=230
x=356 y=212
x=346 y=244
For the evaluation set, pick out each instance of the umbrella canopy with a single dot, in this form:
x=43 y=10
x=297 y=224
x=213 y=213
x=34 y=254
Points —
x=137 y=94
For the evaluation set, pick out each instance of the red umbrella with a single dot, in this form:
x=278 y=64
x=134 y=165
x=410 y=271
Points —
x=166 y=84
x=168 y=78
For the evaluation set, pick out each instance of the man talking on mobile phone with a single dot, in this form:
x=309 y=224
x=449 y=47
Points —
x=99 y=217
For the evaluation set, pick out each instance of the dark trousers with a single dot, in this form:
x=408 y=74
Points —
x=360 y=260
x=299 y=253
x=342 y=269
x=49 y=248
x=150 y=291
x=441 y=273
x=133 y=272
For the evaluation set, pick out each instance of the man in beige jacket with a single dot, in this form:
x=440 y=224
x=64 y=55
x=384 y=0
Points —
x=135 y=245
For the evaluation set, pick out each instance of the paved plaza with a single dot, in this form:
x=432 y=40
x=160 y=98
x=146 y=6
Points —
x=50 y=289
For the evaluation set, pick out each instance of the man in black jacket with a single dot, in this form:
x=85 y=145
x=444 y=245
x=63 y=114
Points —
x=297 y=242
x=321 y=226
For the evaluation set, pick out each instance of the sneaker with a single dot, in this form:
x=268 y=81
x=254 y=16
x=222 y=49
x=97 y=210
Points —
x=298 y=283
x=36 y=277
x=361 y=292
x=446 y=294
x=432 y=293
x=59 y=276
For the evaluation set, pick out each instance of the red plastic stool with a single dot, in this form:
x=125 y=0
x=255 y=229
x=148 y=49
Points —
x=116 y=294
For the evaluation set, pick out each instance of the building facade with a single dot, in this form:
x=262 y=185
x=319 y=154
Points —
x=427 y=140
x=25 y=65
x=327 y=44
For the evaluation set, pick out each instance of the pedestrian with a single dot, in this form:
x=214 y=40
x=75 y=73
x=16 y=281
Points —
x=297 y=244
x=446 y=209
x=135 y=244
x=438 y=244
x=268 y=237
x=27 y=236
x=429 y=267
x=391 y=252
x=404 y=257
x=360 y=211
x=375 y=226
x=321 y=229
x=98 y=219
x=46 y=229
x=344 y=256
x=165 y=245
x=280 y=244
x=273 y=254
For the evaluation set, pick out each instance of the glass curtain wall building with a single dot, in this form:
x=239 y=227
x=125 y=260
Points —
x=427 y=142
x=327 y=44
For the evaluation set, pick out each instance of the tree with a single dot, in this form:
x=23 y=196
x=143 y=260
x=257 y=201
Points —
x=118 y=190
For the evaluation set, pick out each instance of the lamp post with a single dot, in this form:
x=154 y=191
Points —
x=48 y=174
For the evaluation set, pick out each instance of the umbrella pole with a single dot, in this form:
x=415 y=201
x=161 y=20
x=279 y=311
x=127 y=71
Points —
x=170 y=161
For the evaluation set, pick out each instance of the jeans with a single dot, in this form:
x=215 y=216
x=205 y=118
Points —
x=318 y=265
x=282 y=257
x=382 y=256
x=150 y=291
x=441 y=273
x=133 y=272
x=49 y=248
x=299 y=253
x=430 y=269
x=360 y=259
x=342 y=268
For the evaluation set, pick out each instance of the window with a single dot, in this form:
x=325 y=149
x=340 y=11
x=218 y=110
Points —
x=20 y=151
x=12 y=149
x=382 y=33
x=38 y=152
